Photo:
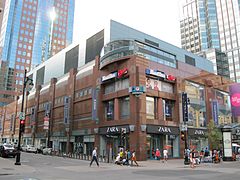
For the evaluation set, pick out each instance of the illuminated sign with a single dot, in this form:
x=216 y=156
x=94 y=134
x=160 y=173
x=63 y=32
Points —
x=122 y=72
x=118 y=74
x=160 y=74
x=235 y=99
x=110 y=76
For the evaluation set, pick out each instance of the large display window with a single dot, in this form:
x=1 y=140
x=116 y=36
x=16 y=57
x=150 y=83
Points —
x=197 y=106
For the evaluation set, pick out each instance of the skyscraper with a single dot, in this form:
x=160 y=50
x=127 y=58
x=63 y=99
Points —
x=29 y=35
x=200 y=32
x=207 y=24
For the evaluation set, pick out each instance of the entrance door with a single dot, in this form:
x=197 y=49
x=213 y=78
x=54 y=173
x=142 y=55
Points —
x=153 y=143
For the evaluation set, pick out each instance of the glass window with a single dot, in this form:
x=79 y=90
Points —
x=109 y=110
x=109 y=88
x=124 y=108
x=168 y=109
x=151 y=107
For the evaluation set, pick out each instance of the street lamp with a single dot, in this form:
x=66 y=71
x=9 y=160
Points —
x=22 y=115
x=185 y=104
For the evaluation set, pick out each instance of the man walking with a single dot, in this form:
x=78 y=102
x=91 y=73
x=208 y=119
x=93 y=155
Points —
x=165 y=154
x=94 y=157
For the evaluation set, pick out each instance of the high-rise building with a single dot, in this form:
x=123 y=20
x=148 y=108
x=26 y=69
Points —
x=32 y=31
x=2 y=5
x=207 y=24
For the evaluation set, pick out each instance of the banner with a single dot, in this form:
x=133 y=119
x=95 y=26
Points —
x=66 y=109
x=235 y=99
x=95 y=93
x=215 y=111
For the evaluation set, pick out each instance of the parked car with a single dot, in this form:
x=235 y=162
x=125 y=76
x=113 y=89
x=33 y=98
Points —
x=7 y=150
x=29 y=148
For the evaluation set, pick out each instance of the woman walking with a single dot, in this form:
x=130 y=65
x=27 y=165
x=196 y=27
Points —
x=134 y=159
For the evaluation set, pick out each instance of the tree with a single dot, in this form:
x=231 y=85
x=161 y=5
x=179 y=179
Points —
x=214 y=136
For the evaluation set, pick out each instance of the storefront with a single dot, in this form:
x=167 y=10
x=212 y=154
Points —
x=197 y=138
x=111 y=139
x=161 y=137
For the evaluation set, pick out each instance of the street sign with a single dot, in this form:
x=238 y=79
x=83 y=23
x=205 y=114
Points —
x=21 y=115
x=46 y=123
x=184 y=127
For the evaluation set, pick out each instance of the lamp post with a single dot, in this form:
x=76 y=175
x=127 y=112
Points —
x=22 y=116
x=185 y=103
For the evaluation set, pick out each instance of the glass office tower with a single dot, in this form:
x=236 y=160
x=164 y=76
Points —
x=29 y=35
x=207 y=24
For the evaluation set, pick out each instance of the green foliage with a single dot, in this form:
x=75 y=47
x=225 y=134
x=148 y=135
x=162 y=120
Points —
x=214 y=136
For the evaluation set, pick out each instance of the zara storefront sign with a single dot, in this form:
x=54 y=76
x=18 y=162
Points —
x=112 y=130
x=164 y=129
x=199 y=132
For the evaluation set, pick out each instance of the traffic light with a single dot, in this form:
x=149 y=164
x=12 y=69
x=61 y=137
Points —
x=22 y=125
x=123 y=133
x=183 y=135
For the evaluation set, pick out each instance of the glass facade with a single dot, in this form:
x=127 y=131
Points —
x=199 y=26
x=224 y=107
x=197 y=107
x=29 y=36
x=218 y=26
x=122 y=48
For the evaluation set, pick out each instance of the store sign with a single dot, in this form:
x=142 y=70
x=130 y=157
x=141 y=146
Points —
x=155 y=73
x=160 y=74
x=137 y=90
x=112 y=130
x=118 y=74
x=110 y=76
x=164 y=129
x=122 y=72
x=199 y=132
x=235 y=99
x=156 y=129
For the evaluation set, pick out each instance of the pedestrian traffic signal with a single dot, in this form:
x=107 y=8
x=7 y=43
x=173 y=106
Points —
x=123 y=133
x=22 y=125
x=183 y=135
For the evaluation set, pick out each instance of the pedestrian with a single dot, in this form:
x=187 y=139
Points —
x=201 y=155
x=165 y=154
x=153 y=153
x=129 y=156
x=192 y=159
x=158 y=154
x=94 y=157
x=134 y=158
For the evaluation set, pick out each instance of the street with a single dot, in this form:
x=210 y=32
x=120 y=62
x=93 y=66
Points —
x=41 y=167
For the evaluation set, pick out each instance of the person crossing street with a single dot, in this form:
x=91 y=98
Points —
x=94 y=157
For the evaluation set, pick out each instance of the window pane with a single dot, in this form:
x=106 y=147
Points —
x=124 y=108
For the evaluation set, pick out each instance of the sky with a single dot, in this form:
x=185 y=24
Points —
x=159 y=18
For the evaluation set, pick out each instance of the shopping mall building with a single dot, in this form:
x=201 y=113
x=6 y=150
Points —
x=130 y=95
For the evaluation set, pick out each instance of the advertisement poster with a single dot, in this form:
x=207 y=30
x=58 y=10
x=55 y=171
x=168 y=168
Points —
x=235 y=99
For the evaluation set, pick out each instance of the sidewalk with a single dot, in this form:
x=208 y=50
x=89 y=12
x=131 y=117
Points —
x=8 y=167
